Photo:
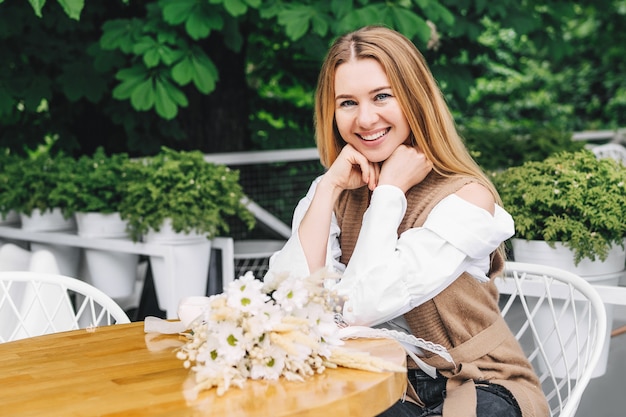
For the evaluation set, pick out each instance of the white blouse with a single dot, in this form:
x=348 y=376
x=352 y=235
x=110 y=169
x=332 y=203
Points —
x=389 y=275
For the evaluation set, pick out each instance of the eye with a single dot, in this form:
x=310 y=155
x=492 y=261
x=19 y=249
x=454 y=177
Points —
x=381 y=96
x=347 y=103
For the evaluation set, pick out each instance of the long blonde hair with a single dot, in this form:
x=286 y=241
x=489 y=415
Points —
x=433 y=130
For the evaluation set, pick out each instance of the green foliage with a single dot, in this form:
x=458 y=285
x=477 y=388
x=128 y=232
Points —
x=555 y=72
x=71 y=7
x=570 y=197
x=140 y=70
x=178 y=185
x=96 y=183
x=27 y=183
x=498 y=146
x=164 y=53
x=7 y=160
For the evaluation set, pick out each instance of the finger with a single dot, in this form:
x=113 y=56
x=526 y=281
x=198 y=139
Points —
x=375 y=170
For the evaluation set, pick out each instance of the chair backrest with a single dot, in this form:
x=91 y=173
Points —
x=560 y=321
x=610 y=150
x=254 y=255
x=34 y=303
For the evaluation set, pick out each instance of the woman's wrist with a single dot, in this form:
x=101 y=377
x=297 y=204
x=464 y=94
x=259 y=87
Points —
x=328 y=189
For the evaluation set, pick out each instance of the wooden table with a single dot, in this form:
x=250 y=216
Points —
x=121 y=371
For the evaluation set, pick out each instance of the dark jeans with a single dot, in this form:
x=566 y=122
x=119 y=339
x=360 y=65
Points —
x=492 y=400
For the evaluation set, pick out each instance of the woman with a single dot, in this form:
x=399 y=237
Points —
x=413 y=225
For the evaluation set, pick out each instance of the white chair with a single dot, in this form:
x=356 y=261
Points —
x=560 y=321
x=34 y=303
x=610 y=150
x=254 y=255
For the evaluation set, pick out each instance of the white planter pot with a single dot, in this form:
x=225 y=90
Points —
x=48 y=221
x=190 y=267
x=112 y=272
x=597 y=272
x=67 y=257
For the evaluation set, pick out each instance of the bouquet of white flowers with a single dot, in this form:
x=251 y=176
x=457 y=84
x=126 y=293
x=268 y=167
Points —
x=256 y=330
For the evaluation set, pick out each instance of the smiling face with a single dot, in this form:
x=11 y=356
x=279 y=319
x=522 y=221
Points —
x=367 y=114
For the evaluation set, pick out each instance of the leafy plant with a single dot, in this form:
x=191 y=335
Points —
x=28 y=183
x=181 y=186
x=96 y=183
x=570 y=197
x=7 y=159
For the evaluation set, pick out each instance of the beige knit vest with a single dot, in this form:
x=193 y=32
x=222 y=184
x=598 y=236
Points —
x=464 y=318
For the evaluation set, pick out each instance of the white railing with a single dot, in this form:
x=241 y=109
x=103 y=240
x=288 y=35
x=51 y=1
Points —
x=615 y=136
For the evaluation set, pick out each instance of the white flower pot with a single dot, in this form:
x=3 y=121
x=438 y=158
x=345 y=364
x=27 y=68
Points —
x=48 y=221
x=67 y=257
x=191 y=255
x=112 y=272
x=597 y=272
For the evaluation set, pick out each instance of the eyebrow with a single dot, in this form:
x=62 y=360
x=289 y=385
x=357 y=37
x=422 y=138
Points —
x=374 y=91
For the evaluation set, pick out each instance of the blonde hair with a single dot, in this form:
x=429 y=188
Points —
x=433 y=130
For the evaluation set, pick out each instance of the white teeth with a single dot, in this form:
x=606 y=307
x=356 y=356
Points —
x=374 y=136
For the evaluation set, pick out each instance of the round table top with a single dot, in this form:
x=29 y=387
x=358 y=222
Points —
x=121 y=371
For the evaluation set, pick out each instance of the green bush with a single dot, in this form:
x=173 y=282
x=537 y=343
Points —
x=181 y=186
x=570 y=197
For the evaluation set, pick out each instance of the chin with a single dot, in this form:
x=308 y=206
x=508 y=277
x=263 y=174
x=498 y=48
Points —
x=375 y=156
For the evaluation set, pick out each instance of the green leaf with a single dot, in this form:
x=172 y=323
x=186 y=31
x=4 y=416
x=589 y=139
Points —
x=176 y=12
x=143 y=96
x=198 y=26
x=205 y=74
x=152 y=58
x=296 y=20
x=235 y=7
x=37 y=6
x=320 y=25
x=165 y=107
x=410 y=24
x=169 y=55
x=368 y=15
x=72 y=8
x=176 y=94
x=119 y=34
x=442 y=13
x=143 y=44
x=341 y=7
x=163 y=101
x=254 y=3
x=232 y=36
x=131 y=78
x=182 y=72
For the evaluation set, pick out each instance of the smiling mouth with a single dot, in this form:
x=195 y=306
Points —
x=374 y=136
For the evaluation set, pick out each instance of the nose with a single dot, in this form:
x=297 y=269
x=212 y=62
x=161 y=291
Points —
x=367 y=115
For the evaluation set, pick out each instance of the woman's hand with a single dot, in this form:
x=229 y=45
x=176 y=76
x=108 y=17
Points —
x=404 y=168
x=352 y=170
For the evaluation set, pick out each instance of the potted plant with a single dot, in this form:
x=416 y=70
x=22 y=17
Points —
x=177 y=198
x=93 y=184
x=570 y=198
x=92 y=192
x=33 y=179
x=569 y=212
